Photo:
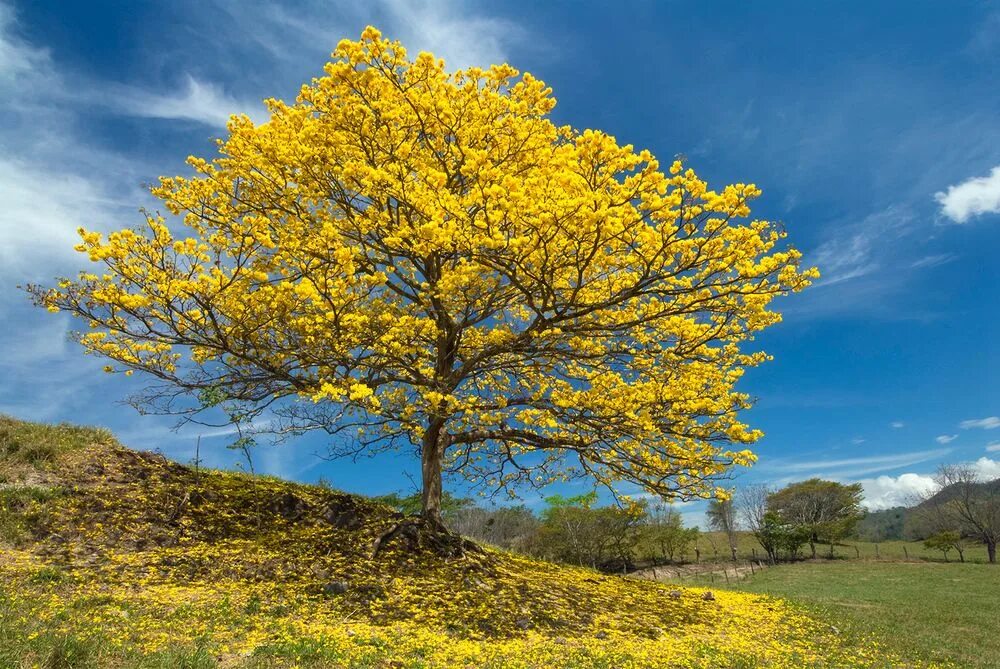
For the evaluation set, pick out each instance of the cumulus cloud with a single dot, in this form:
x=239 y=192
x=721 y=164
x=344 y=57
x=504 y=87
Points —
x=987 y=468
x=946 y=438
x=884 y=492
x=974 y=197
x=989 y=423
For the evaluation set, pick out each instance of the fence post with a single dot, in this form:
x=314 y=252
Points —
x=697 y=554
x=733 y=549
x=725 y=572
x=857 y=552
x=906 y=553
x=876 y=550
x=752 y=572
x=753 y=551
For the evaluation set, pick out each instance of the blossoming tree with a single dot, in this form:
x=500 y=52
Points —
x=409 y=258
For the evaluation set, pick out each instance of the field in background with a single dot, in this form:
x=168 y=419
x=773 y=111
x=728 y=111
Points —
x=714 y=545
x=938 y=612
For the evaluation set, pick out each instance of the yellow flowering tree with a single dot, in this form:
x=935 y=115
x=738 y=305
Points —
x=412 y=258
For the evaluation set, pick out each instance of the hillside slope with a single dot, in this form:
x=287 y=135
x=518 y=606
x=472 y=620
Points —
x=112 y=557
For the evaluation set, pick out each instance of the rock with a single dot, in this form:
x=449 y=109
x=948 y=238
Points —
x=674 y=594
x=708 y=596
x=336 y=587
x=601 y=635
x=342 y=518
x=288 y=506
x=523 y=623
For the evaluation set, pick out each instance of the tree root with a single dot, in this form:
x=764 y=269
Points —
x=419 y=533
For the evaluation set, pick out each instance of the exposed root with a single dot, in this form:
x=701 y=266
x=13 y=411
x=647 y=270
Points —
x=419 y=533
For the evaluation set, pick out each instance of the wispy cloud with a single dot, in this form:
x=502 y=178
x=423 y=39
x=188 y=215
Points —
x=988 y=423
x=946 y=438
x=848 y=467
x=974 y=197
x=198 y=101
x=933 y=260
x=854 y=250
x=993 y=447
x=897 y=424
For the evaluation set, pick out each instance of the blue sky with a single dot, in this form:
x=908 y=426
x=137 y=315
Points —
x=874 y=132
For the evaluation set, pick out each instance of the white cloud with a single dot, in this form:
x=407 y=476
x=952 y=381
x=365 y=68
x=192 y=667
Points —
x=993 y=447
x=974 y=197
x=946 y=438
x=857 y=440
x=987 y=468
x=197 y=101
x=897 y=424
x=989 y=423
x=885 y=492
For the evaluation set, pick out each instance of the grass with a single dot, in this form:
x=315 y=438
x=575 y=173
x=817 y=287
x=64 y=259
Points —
x=939 y=612
x=25 y=447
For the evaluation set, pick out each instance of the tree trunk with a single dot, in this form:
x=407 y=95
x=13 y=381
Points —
x=991 y=550
x=431 y=451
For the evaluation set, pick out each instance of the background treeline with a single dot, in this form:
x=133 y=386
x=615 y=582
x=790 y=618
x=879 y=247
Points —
x=804 y=519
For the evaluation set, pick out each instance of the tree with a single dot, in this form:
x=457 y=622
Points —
x=574 y=530
x=825 y=509
x=970 y=503
x=751 y=509
x=667 y=532
x=945 y=541
x=514 y=528
x=721 y=515
x=407 y=258
x=775 y=534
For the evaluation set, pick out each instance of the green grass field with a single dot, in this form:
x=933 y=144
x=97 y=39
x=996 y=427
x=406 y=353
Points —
x=932 y=611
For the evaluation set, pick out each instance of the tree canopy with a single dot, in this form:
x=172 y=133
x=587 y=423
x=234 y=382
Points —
x=411 y=258
x=824 y=509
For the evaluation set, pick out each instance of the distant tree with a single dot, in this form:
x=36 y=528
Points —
x=410 y=504
x=721 y=516
x=510 y=527
x=422 y=260
x=776 y=535
x=824 y=509
x=945 y=542
x=667 y=532
x=969 y=502
x=883 y=525
x=751 y=507
x=574 y=530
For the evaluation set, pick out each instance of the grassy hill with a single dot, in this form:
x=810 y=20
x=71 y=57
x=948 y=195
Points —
x=116 y=558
